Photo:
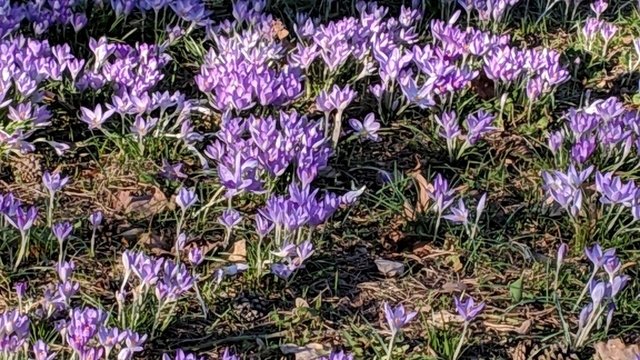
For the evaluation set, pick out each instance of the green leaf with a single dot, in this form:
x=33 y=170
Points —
x=515 y=289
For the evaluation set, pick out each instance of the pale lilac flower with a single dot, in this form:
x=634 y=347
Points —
x=95 y=118
x=397 y=318
x=468 y=309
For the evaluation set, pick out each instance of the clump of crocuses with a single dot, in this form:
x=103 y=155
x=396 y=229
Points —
x=604 y=285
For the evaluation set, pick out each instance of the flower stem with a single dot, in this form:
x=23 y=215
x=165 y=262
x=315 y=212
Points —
x=390 y=347
x=459 y=347
x=50 y=211
x=586 y=287
x=92 y=246
x=23 y=248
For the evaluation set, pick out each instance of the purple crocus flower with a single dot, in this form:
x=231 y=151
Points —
x=95 y=219
x=598 y=7
x=442 y=195
x=286 y=250
x=41 y=351
x=263 y=226
x=598 y=290
x=230 y=219
x=608 y=31
x=54 y=182
x=479 y=124
x=181 y=355
x=611 y=266
x=468 y=309
x=341 y=98
x=613 y=191
x=367 y=128
x=195 y=256
x=449 y=128
x=591 y=27
x=186 y=198
x=23 y=220
x=555 y=141
x=583 y=149
x=21 y=289
x=65 y=269
x=458 y=214
x=282 y=271
x=62 y=231
x=617 y=284
x=335 y=355
x=109 y=338
x=95 y=118
x=228 y=356
x=397 y=318
x=562 y=253
x=597 y=256
x=141 y=126
x=172 y=172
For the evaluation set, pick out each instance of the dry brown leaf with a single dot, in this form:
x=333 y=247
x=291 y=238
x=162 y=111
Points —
x=450 y=287
x=441 y=318
x=307 y=352
x=278 y=30
x=409 y=211
x=301 y=303
x=615 y=349
x=424 y=188
x=389 y=268
x=238 y=251
x=155 y=243
x=146 y=205
x=523 y=329
x=456 y=264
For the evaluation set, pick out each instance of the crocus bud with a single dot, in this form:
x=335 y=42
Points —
x=562 y=253
x=96 y=219
x=181 y=242
x=21 y=289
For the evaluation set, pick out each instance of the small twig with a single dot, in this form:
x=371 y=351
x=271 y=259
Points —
x=275 y=335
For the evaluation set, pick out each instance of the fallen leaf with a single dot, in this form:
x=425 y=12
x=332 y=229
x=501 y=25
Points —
x=389 y=268
x=155 y=243
x=238 y=251
x=615 y=349
x=301 y=303
x=441 y=318
x=424 y=188
x=307 y=352
x=523 y=329
x=456 y=264
x=450 y=287
x=409 y=211
x=145 y=206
